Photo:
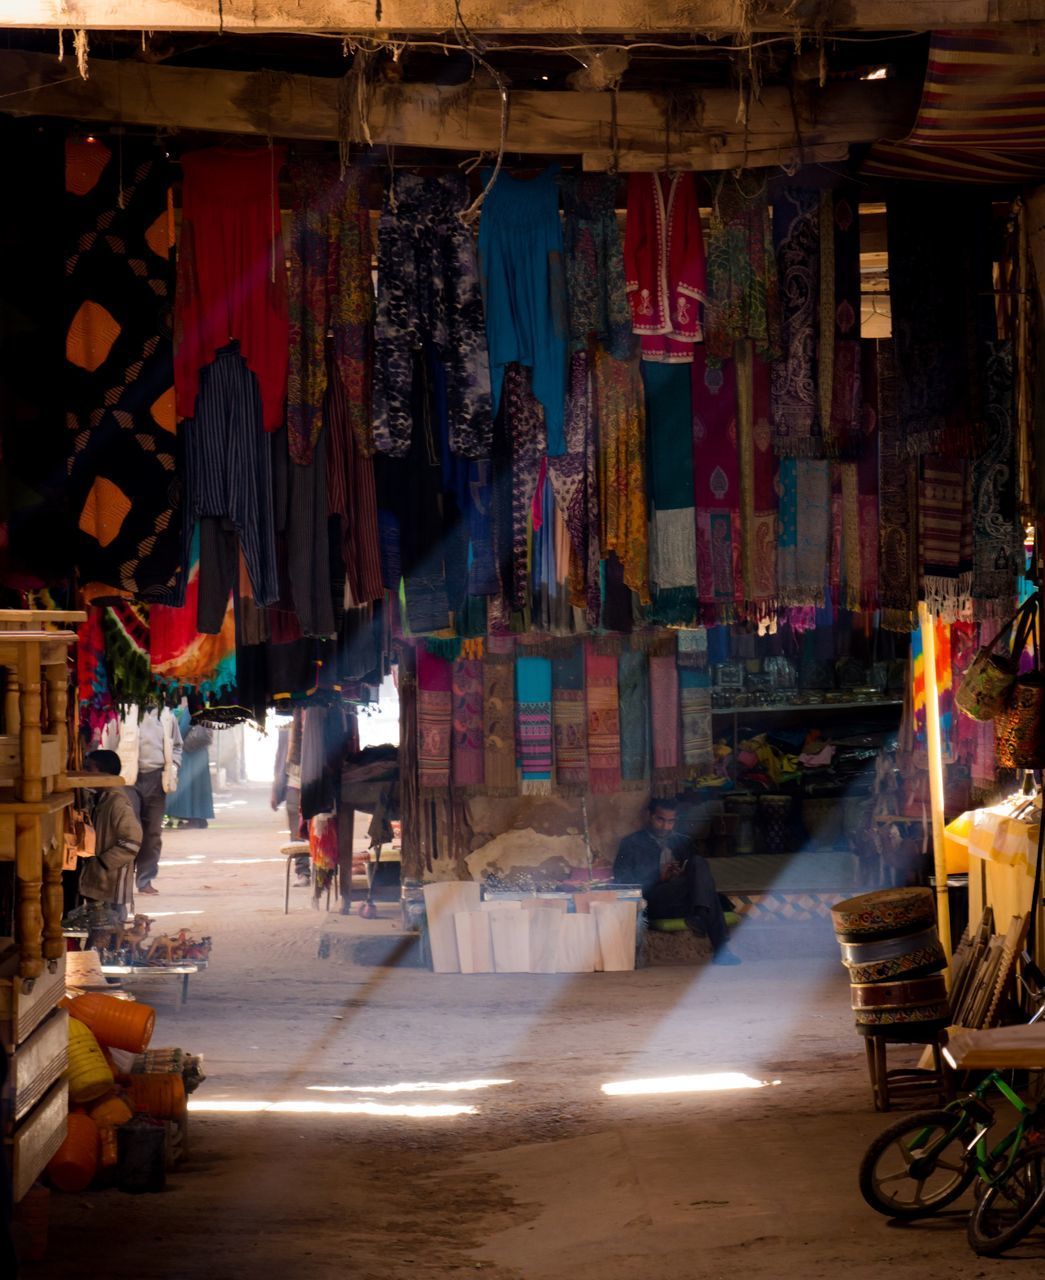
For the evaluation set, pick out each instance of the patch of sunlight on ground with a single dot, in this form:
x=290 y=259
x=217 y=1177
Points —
x=712 y=1082
x=306 y=1106
x=415 y=1086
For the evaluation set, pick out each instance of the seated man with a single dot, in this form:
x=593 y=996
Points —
x=675 y=881
x=108 y=877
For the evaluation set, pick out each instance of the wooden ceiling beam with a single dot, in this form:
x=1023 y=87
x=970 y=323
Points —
x=460 y=119
x=513 y=17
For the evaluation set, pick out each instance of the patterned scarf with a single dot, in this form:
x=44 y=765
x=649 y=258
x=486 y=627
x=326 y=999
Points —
x=468 y=748
x=600 y=672
x=434 y=721
x=695 y=703
x=717 y=488
x=796 y=233
x=569 y=720
x=330 y=292
x=743 y=296
x=621 y=433
x=996 y=535
x=897 y=497
x=533 y=723
x=524 y=420
x=857 y=502
x=598 y=303
x=803 y=551
x=633 y=684
x=183 y=659
x=673 y=543
x=119 y=374
x=499 y=772
x=841 y=397
x=664 y=713
x=758 y=496
x=945 y=534
x=573 y=480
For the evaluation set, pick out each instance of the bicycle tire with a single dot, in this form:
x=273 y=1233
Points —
x=874 y=1174
x=1010 y=1208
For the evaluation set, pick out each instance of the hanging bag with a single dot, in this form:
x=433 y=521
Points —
x=1019 y=731
x=988 y=683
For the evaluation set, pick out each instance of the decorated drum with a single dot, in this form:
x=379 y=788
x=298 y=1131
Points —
x=886 y=913
x=916 y=962
x=913 y=1016
x=906 y=994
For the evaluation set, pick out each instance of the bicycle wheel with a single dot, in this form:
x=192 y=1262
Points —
x=1011 y=1207
x=917 y=1166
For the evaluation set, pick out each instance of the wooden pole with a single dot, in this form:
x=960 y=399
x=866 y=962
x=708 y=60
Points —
x=932 y=723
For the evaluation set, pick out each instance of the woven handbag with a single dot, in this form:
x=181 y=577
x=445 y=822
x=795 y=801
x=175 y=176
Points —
x=988 y=683
x=1019 y=731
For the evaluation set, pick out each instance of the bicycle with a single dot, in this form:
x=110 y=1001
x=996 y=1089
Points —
x=924 y=1162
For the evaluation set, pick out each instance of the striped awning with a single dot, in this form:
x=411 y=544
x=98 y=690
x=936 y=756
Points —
x=982 y=115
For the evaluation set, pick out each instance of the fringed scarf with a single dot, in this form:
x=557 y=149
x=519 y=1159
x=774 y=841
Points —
x=945 y=534
x=434 y=721
x=573 y=479
x=996 y=534
x=633 y=683
x=524 y=420
x=858 y=515
x=796 y=234
x=743 y=296
x=499 y=772
x=693 y=645
x=897 y=497
x=621 y=422
x=569 y=720
x=600 y=672
x=841 y=397
x=803 y=550
x=695 y=703
x=716 y=476
x=183 y=659
x=758 y=496
x=533 y=723
x=664 y=714
x=673 y=549
x=468 y=750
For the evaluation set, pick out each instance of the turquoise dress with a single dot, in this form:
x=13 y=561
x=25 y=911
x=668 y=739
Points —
x=194 y=797
x=524 y=290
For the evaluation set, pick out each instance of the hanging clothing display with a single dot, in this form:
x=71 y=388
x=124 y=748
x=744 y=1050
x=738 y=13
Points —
x=803 y=548
x=716 y=488
x=228 y=485
x=841 y=396
x=525 y=423
x=758 y=481
x=331 y=303
x=695 y=713
x=743 y=299
x=600 y=674
x=434 y=720
x=569 y=720
x=673 y=541
x=595 y=286
x=533 y=723
x=897 y=497
x=524 y=289
x=945 y=534
x=499 y=772
x=124 y=455
x=633 y=690
x=232 y=279
x=997 y=542
x=468 y=749
x=796 y=236
x=621 y=424
x=664 y=264
x=573 y=478
x=428 y=296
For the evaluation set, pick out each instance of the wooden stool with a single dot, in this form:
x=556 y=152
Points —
x=296 y=849
x=904 y=1082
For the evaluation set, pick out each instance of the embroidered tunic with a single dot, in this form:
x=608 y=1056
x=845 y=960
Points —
x=664 y=264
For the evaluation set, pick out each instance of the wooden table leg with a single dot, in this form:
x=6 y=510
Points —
x=54 y=901
x=30 y=785
x=28 y=871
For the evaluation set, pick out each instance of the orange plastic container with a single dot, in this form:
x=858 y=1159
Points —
x=110 y=1112
x=120 y=1024
x=157 y=1094
x=108 y=1155
x=88 y=1073
x=74 y=1165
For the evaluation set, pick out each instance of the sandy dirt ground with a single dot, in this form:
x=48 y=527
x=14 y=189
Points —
x=535 y=1173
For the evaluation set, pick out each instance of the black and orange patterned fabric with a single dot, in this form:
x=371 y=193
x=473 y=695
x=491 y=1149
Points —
x=123 y=453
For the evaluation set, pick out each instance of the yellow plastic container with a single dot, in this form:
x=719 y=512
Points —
x=110 y=1112
x=88 y=1073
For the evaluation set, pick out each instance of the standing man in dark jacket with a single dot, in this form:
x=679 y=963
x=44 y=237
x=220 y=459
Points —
x=675 y=881
x=109 y=876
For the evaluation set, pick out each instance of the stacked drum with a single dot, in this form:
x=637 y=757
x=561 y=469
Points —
x=895 y=960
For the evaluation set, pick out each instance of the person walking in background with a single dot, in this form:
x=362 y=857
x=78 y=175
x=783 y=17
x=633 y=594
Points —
x=149 y=748
x=108 y=877
x=286 y=787
x=193 y=801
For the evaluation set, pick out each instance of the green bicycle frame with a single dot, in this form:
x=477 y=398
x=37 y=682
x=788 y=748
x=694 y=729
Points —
x=986 y=1162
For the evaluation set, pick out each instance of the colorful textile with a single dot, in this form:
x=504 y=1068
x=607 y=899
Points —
x=897 y=496
x=664 y=714
x=428 y=296
x=945 y=687
x=945 y=535
x=604 y=768
x=803 y=548
x=633 y=687
x=524 y=289
x=796 y=234
x=621 y=433
x=126 y=628
x=841 y=396
x=569 y=719
x=996 y=534
x=743 y=295
x=595 y=289
x=758 y=495
x=525 y=423
x=574 y=481
x=331 y=302
x=693 y=644
x=533 y=723
x=434 y=720
x=468 y=750
x=716 y=488
x=119 y=374
x=695 y=704
x=664 y=264
x=941 y=290
x=499 y=771
x=232 y=279
x=323 y=848
x=94 y=698
x=673 y=546
x=181 y=657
